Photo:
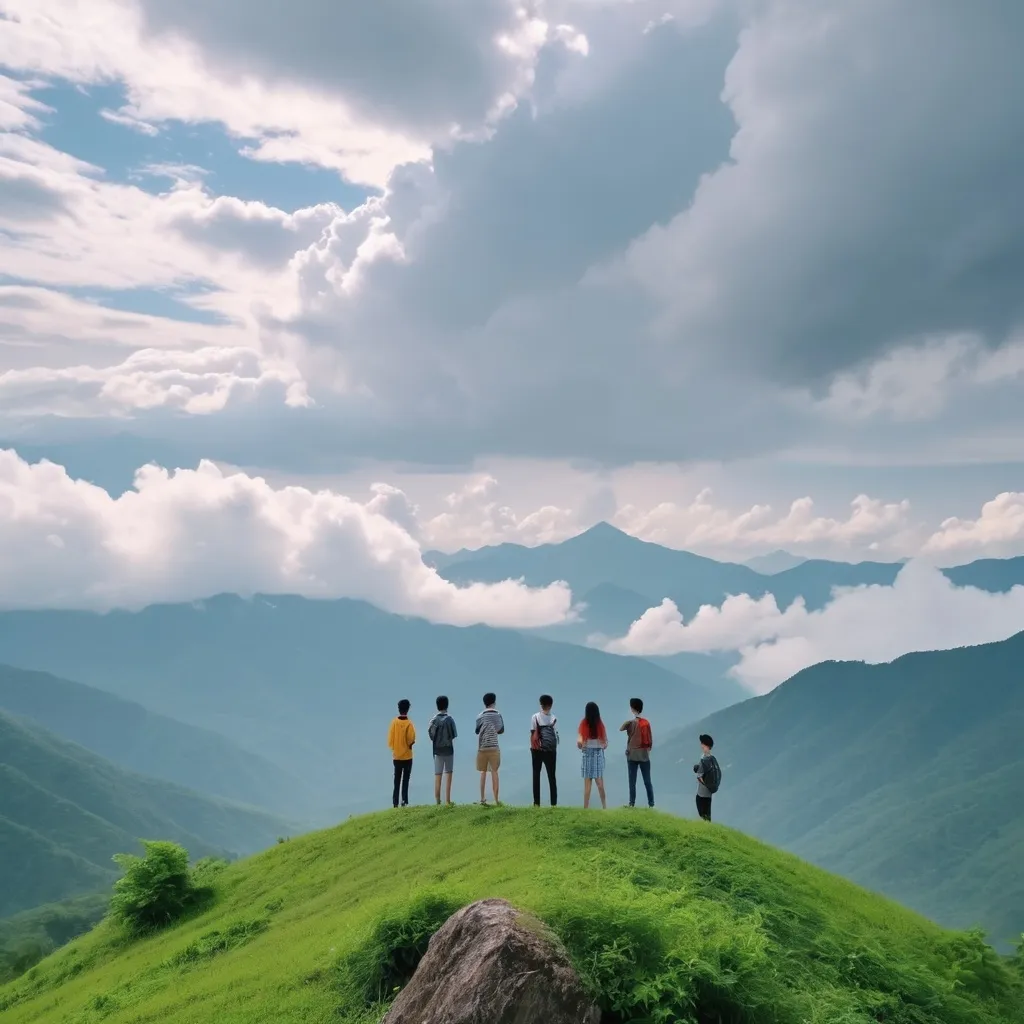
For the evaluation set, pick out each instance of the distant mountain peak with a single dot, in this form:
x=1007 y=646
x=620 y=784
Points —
x=604 y=531
x=774 y=562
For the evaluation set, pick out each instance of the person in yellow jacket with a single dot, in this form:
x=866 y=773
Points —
x=401 y=739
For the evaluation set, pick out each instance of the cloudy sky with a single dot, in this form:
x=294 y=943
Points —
x=733 y=274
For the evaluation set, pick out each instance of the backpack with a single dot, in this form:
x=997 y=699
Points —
x=547 y=735
x=645 y=738
x=444 y=734
x=712 y=773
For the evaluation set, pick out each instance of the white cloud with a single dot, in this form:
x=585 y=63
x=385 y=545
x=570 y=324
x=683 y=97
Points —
x=189 y=534
x=997 y=533
x=475 y=518
x=359 y=90
x=872 y=526
x=479 y=513
x=201 y=382
x=921 y=611
x=18 y=110
x=169 y=78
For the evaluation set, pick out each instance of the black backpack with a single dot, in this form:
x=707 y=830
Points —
x=547 y=737
x=712 y=773
x=444 y=734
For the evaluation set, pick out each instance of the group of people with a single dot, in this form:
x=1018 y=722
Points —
x=591 y=741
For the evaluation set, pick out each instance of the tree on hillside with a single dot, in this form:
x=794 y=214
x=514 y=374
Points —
x=155 y=889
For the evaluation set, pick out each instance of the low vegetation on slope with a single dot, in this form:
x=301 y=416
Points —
x=667 y=920
x=27 y=937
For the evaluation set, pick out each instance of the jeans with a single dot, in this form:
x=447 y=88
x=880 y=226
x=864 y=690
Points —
x=544 y=759
x=645 y=771
x=403 y=769
x=704 y=807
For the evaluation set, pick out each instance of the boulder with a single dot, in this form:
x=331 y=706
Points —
x=493 y=964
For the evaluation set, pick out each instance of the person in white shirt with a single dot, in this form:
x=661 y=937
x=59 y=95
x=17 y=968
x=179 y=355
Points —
x=544 y=749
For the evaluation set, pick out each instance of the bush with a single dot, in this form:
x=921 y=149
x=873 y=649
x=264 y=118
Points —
x=385 y=961
x=155 y=889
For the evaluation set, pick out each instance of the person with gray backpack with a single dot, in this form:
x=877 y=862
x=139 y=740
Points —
x=709 y=776
x=442 y=733
x=544 y=749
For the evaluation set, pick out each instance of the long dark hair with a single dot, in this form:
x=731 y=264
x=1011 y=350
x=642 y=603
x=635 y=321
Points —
x=592 y=716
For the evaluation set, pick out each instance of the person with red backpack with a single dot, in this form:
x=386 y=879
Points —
x=639 y=741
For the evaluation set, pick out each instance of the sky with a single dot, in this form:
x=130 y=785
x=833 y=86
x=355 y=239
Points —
x=735 y=275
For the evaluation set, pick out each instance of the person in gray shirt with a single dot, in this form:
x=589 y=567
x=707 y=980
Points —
x=489 y=726
x=638 y=750
x=709 y=776
x=442 y=733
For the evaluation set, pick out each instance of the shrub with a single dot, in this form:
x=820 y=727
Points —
x=155 y=889
x=386 y=960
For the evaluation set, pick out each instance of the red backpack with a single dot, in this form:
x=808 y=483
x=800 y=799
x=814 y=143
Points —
x=645 y=738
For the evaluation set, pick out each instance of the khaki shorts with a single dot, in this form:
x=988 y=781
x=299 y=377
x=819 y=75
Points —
x=488 y=760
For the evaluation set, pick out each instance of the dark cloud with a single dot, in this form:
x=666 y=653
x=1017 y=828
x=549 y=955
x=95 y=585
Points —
x=26 y=199
x=420 y=66
x=873 y=195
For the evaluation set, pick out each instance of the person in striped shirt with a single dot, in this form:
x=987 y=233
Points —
x=489 y=726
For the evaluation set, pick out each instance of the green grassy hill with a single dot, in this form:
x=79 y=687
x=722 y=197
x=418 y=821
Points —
x=907 y=777
x=667 y=920
x=64 y=812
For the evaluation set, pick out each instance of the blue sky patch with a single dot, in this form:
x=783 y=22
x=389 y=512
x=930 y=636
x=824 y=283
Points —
x=164 y=302
x=77 y=126
x=171 y=303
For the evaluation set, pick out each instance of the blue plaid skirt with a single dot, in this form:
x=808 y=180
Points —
x=593 y=763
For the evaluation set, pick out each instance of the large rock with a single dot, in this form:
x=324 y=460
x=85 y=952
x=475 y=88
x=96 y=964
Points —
x=492 y=964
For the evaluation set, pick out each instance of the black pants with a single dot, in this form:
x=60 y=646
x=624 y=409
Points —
x=545 y=759
x=403 y=769
x=704 y=807
x=645 y=771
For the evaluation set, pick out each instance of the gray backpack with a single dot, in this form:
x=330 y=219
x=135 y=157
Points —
x=444 y=732
x=547 y=735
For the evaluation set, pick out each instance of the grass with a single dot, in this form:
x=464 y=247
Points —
x=667 y=920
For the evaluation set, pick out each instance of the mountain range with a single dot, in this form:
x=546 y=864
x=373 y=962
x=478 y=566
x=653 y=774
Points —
x=906 y=777
x=64 y=813
x=614 y=573
x=310 y=686
x=283 y=703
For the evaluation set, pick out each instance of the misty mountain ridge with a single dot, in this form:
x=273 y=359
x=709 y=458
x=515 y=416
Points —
x=64 y=813
x=140 y=741
x=311 y=685
x=774 y=562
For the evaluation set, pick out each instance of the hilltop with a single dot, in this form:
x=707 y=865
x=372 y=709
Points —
x=666 y=919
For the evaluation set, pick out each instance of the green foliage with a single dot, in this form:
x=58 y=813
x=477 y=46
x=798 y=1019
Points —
x=666 y=921
x=154 y=890
x=209 y=944
x=387 y=958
